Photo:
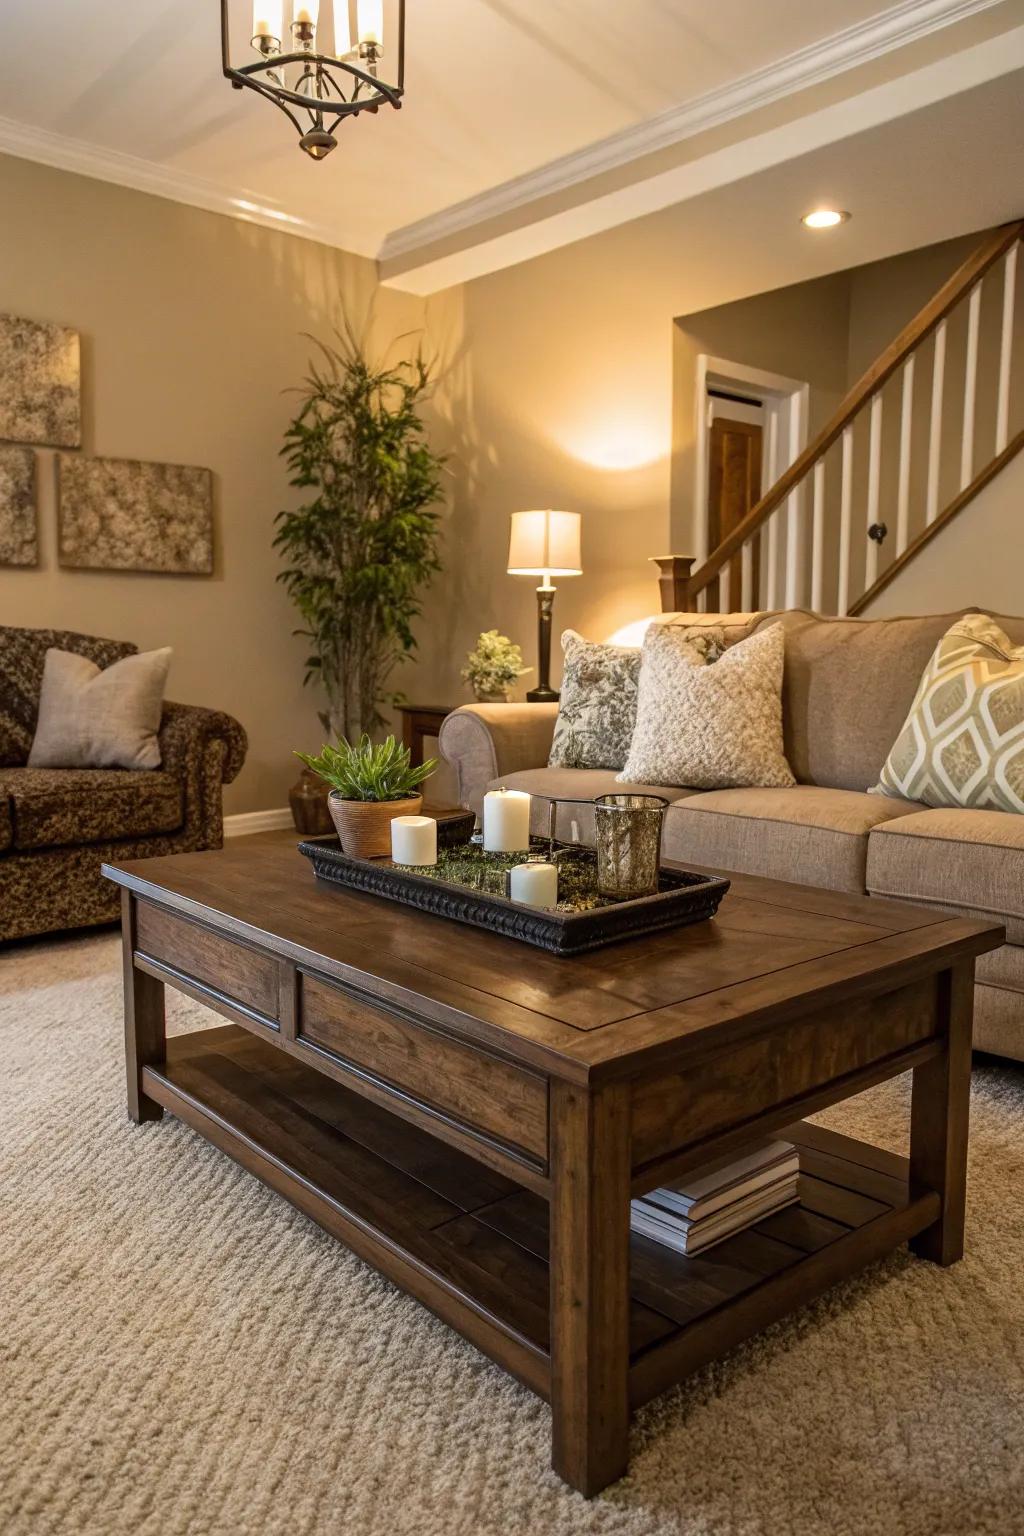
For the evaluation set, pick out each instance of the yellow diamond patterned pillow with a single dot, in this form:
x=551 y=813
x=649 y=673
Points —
x=962 y=743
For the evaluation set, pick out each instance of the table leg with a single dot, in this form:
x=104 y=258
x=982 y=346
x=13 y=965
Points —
x=590 y=1167
x=940 y=1108
x=144 y=1028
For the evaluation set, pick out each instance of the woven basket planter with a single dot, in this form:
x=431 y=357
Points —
x=364 y=826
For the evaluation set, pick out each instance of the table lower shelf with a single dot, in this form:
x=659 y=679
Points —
x=472 y=1245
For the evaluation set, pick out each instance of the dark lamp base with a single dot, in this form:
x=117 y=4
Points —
x=542 y=696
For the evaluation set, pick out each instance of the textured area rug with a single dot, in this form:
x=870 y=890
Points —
x=182 y=1353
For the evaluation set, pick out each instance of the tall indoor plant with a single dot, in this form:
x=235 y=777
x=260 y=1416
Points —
x=364 y=543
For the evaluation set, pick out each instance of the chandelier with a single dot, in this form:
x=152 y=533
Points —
x=315 y=85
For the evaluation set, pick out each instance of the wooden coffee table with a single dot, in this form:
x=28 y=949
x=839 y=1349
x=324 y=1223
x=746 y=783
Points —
x=471 y=1116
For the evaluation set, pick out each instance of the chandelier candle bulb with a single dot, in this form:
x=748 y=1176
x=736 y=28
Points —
x=414 y=840
x=506 y=821
x=535 y=884
x=371 y=22
x=307 y=15
x=267 y=21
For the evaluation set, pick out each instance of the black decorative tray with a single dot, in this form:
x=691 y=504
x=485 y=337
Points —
x=475 y=895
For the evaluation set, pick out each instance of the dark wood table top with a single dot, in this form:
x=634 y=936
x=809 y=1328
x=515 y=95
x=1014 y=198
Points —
x=775 y=949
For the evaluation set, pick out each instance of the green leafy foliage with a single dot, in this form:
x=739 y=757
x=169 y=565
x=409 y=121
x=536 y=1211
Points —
x=361 y=548
x=368 y=772
x=494 y=664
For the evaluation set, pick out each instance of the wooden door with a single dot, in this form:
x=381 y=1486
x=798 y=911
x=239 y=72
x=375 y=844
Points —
x=734 y=486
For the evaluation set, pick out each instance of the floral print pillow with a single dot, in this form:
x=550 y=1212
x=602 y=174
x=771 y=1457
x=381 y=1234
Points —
x=597 y=711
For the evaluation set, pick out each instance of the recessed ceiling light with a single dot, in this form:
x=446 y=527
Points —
x=824 y=218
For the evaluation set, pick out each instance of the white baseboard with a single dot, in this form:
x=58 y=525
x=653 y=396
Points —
x=257 y=821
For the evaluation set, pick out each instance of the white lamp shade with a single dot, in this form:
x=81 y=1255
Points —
x=342 y=29
x=545 y=544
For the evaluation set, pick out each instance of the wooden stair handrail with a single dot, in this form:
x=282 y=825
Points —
x=911 y=336
x=947 y=515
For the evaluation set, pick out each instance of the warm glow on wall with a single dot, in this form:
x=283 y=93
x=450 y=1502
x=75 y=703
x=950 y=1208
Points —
x=616 y=445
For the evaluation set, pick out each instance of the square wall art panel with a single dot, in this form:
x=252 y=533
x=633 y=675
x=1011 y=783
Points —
x=40 y=383
x=119 y=515
x=18 y=543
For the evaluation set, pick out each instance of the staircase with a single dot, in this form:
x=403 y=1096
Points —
x=914 y=441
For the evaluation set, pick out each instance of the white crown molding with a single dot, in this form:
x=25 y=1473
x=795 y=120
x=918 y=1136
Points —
x=247 y=822
x=67 y=154
x=897 y=27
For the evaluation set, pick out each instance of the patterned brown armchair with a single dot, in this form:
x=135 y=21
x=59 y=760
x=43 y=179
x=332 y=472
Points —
x=58 y=825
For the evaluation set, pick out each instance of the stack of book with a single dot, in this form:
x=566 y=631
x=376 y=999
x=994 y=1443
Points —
x=720 y=1199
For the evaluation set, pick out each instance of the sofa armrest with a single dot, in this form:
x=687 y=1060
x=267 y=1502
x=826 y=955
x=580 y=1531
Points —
x=204 y=749
x=483 y=742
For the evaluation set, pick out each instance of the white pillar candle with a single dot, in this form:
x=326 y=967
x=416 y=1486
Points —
x=506 y=820
x=414 y=840
x=534 y=884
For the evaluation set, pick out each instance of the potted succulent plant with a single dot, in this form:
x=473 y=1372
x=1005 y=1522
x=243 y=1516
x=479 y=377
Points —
x=370 y=786
x=493 y=667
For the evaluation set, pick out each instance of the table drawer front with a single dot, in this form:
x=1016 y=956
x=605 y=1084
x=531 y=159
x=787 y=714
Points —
x=241 y=974
x=764 y=1073
x=483 y=1092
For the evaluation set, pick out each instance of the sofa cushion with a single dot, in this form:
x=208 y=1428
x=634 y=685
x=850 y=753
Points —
x=597 y=707
x=55 y=807
x=22 y=659
x=847 y=689
x=970 y=862
x=6 y=824
x=811 y=835
x=100 y=717
x=963 y=741
x=575 y=784
x=709 y=726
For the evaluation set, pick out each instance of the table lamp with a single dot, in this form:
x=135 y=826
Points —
x=544 y=544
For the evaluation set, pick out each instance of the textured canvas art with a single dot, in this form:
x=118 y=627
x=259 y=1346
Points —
x=18 y=543
x=119 y=515
x=40 y=383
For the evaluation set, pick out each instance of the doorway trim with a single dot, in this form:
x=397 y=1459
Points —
x=785 y=401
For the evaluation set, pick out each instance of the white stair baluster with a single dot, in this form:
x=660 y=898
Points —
x=771 y=593
x=818 y=538
x=1006 y=349
x=935 y=429
x=725 y=588
x=970 y=386
x=906 y=429
x=845 y=523
x=874 y=487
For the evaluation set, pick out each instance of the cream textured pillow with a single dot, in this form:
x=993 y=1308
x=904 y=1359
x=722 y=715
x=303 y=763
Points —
x=962 y=743
x=717 y=727
x=93 y=718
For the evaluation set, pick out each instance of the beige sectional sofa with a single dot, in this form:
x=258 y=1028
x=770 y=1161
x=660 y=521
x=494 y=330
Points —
x=849 y=684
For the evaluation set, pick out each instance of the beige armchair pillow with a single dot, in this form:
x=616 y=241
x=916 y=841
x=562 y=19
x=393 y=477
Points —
x=100 y=718
x=709 y=727
x=962 y=743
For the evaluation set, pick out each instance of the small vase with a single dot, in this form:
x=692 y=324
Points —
x=364 y=826
x=308 y=800
x=491 y=695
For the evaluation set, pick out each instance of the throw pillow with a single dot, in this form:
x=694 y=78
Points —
x=706 y=727
x=962 y=744
x=93 y=718
x=597 y=709
x=22 y=659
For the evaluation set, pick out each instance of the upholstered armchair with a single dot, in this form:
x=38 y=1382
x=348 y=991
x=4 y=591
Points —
x=59 y=825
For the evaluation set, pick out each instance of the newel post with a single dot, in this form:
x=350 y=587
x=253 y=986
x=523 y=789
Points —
x=674 y=581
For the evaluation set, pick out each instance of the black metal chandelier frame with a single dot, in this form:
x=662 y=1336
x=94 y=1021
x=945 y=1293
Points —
x=317 y=92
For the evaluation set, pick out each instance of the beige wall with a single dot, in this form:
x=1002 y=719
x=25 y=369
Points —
x=191 y=329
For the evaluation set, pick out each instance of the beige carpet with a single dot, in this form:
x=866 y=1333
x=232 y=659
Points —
x=182 y=1353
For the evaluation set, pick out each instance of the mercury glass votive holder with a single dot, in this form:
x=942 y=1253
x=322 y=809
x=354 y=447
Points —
x=629 y=831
